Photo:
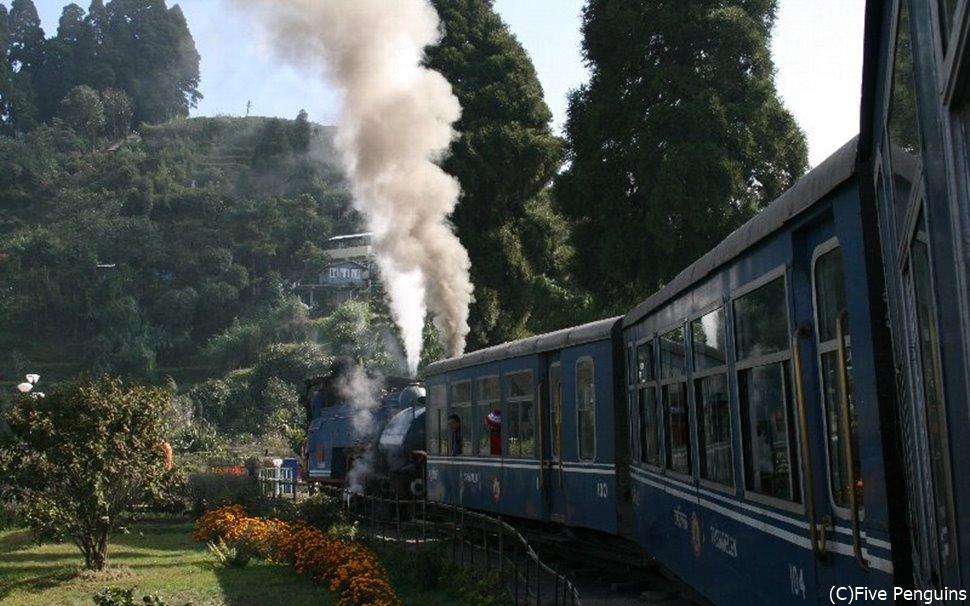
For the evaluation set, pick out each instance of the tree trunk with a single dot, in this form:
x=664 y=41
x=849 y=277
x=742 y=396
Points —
x=95 y=550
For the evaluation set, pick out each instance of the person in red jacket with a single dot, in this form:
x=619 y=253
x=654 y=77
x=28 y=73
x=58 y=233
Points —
x=493 y=421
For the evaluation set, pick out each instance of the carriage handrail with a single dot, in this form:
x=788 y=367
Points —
x=818 y=542
x=847 y=438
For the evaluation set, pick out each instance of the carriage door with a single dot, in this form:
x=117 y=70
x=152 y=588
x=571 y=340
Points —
x=553 y=476
x=821 y=365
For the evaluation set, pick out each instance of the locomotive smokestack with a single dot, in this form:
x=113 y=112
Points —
x=395 y=124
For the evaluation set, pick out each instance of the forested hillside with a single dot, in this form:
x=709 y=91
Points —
x=140 y=254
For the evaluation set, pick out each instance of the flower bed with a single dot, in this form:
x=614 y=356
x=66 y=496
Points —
x=350 y=569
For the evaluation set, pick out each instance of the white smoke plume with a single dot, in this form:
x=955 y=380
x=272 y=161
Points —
x=363 y=394
x=360 y=471
x=395 y=123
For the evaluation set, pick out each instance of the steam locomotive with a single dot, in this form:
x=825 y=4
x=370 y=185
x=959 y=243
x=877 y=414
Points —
x=785 y=421
x=365 y=432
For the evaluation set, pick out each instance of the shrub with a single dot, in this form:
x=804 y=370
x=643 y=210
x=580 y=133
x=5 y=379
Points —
x=429 y=563
x=228 y=555
x=482 y=589
x=10 y=515
x=171 y=495
x=322 y=511
x=210 y=490
x=116 y=596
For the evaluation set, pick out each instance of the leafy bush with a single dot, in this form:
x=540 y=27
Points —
x=116 y=596
x=322 y=511
x=171 y=495
x=210 y=490
x=10 y=515
x=479 y=588
x=229 y=556
x=429 y=564
x=201 y=436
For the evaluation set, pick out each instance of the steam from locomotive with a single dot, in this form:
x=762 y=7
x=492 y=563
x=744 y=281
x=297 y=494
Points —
x=395 y=122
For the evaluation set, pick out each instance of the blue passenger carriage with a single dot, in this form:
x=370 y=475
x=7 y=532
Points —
x=554 y=457
x=756 y=431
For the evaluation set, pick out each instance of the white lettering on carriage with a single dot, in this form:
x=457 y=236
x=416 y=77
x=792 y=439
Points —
x=470 y=477
x=680 y=519
x=722 y=541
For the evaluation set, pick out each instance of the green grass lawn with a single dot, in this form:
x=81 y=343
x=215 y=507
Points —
x=161 y=557
x=156 y=557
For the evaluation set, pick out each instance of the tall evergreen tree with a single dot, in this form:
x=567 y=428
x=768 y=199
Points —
x=505 y=155
x=91 y=54
x=25 y=54
x=60 y=69
x=154 y=58
x=678 y=138
x=26 y=36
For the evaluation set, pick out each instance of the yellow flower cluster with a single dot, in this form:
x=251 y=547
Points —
x=350 y=569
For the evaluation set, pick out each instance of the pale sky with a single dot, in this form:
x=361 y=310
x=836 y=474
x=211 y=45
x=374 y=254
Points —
x=817 y=49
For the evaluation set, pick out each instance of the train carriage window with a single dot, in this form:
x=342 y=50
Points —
x=437 y=403
x=830 y=304
x=461 y=405
x=761 y=321
x=673 y=390
x=649 y=415
x=520 y=415
x=903 y=126
x=930 y=377
x=764 y=388
x=709 y=349
x=488 y=401
x=586 y=408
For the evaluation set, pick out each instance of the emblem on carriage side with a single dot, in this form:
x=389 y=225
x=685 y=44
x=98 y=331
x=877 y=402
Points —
x=696 y=534
x=496 y=489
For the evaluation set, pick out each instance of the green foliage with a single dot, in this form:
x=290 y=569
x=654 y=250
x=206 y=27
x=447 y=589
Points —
x=83 y=110
x=429 y=565
x=321 y=510
x=81 y=456
x=127 y=261
x=10 y=515
x=140 y=47
x=201 y=436
x=356 y=330
x=478 y=589
x=229 y=556
x=428 y=568
x=677 y=139
x=211 y=490
x=118 y=596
